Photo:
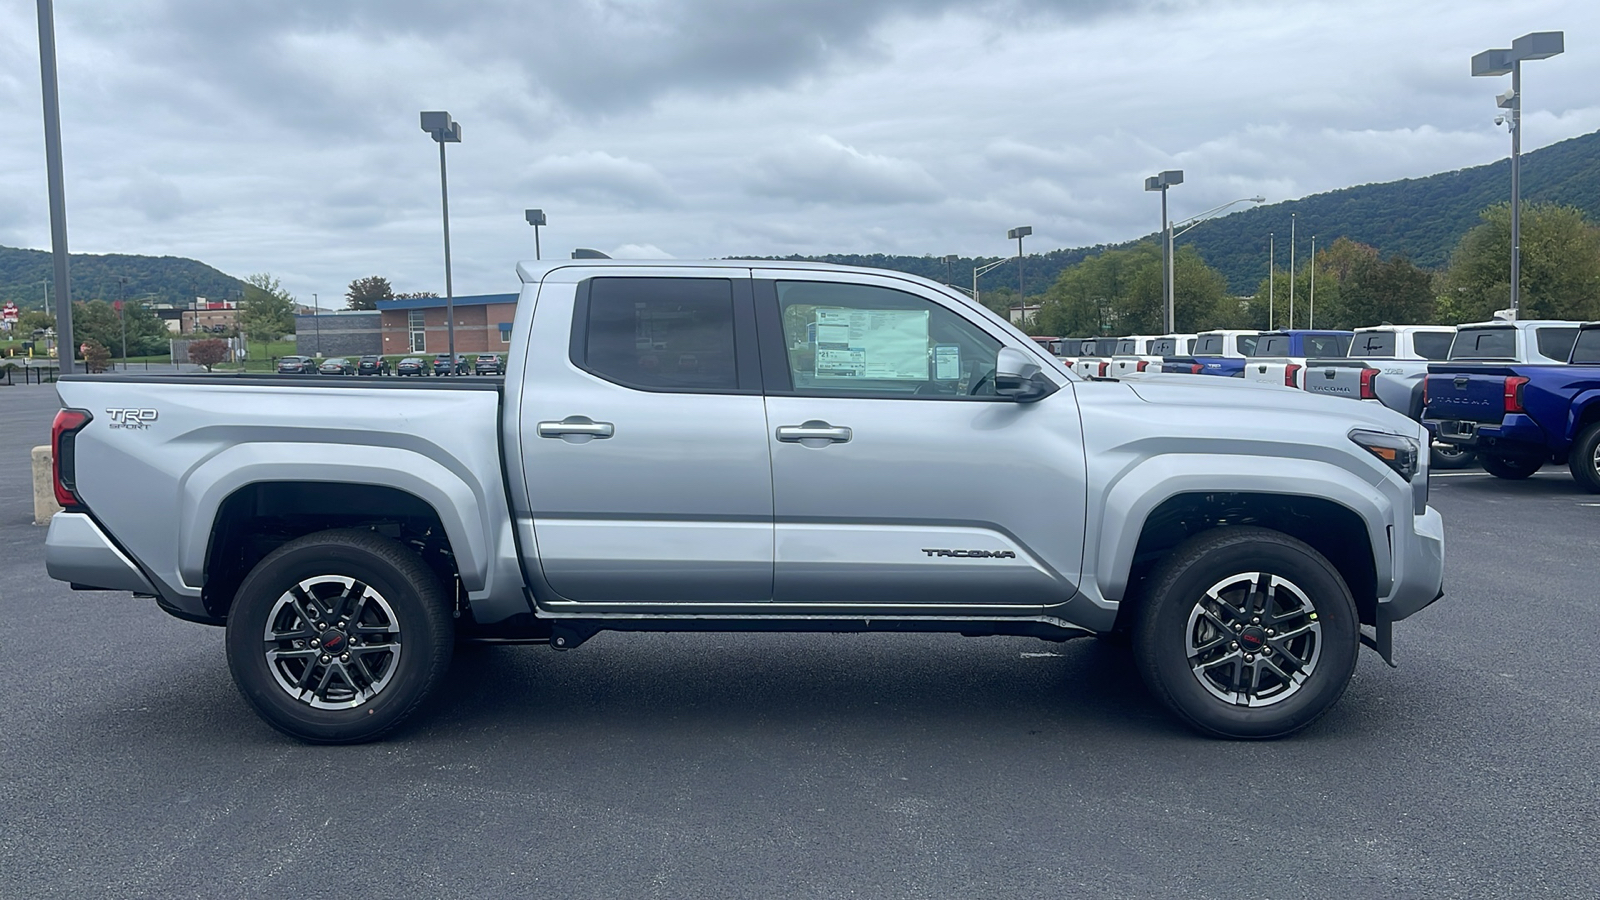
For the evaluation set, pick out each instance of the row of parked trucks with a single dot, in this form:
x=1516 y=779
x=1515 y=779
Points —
x=1513 y=395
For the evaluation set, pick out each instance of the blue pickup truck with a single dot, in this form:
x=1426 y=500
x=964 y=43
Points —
x=1215 y=353
x=1521 y=416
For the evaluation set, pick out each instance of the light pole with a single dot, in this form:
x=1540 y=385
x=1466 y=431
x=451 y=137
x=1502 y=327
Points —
x=1311 y=315
x=1179 y=229
x=316 y=322
x=949 y=263
x=1161 y=183
x=982 y=270
x=122 y=316
x=445 y=130
x=58 y=193
x=535 y=218
x=1019 y=233
x=1272 y=270
x=1537 y=45
x=1291 y=270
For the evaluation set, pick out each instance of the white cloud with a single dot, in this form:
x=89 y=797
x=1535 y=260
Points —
x=823 y=170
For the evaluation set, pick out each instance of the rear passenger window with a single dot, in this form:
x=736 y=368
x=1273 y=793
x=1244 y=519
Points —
x=1586 y=352
x=660 y=334
x=1247 y=344
x=1556 y=343
x=1381 y=344
x=1433 y=344
x=1327 y=346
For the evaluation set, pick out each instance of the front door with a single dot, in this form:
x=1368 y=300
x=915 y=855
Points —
x=900 y=480
x=644 y=446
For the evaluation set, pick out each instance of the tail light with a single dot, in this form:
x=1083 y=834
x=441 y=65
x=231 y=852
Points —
x=1514 y=386
x=1103 y=369
x=1196 y=368
x=1289 y=373
x=1142 y=365
x=63 y=455
x=1367 y=378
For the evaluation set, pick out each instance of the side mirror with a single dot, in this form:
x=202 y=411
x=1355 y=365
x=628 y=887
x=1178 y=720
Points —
x=1020 y=378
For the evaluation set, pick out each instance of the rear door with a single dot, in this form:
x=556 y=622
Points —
x=644 y=441
x=900 y=480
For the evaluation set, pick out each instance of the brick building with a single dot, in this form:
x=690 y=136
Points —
x=344 y=332
x=418 y=325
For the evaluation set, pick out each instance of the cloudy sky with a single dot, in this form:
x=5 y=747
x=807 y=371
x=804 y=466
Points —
x=282 y=135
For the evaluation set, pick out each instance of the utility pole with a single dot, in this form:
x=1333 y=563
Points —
x=122 y=315
x=1272 y=271
x=1291 y=270
x=66 y=346
x=1311 y=317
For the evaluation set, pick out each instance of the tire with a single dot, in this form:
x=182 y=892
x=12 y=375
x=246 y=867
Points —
x=397 y=652
x=1584 y=459
x=1511 y=468
x=1201 y=590
x=1452 y=456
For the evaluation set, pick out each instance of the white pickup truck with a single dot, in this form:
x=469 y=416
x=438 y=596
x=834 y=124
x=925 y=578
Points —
x=1386 y=364
x=1093 y=355
x=1279 y=357
x=1138 y=356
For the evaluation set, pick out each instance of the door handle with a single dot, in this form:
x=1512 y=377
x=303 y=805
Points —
x=576 y=427
x=814 y=433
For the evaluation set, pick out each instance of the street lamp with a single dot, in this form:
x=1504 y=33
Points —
x=445 y=130
x=1022 y=293
x=535 y=218
x=54 y=179
x=1161 y=183
x=122 y=316
x=1538 y=45
x=1177 y=230
x=949 y=263
x=316 y=321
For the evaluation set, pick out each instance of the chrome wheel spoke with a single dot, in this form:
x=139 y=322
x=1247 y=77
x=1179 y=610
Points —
x=332 y=642
x=1237 y=647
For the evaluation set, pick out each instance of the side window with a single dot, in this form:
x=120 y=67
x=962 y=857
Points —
x=659 y=334
x=1381 y=343
x=1246 y=344
x=860 y=340
x=1327 y=346
x=1556 y=343
x=1586 y=352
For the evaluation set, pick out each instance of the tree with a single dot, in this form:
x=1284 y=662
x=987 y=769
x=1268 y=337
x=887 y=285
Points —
x=100 y=321
x=96 y=357
x=364 y=293
x=1560 y=266
x=415 y=295
x=208 y=352
x=1120 y=292
x=267 y=312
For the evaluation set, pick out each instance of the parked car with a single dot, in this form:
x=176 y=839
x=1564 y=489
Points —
x=841 y=478
x=296 y=365
x=441 y=364
x=1215 y=353
x=372 y=365
x=489 y=364
x=1139 y=361
x=1051 y=345
x=1092 y=354
x=1279 y=357
x=1519 y=416
x=1386 y=364
x=337 y=365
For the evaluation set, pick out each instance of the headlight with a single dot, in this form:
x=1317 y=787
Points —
x=1400 y=453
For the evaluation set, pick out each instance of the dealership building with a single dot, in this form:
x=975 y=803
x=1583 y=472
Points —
x=419 y=325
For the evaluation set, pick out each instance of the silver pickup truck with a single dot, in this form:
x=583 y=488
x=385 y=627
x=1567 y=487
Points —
x=755 y=446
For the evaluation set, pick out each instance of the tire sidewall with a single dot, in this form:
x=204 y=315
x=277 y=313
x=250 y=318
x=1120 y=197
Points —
x=1512 y=468
x=1580 y=459
x=260 y=592
x=1164 y=632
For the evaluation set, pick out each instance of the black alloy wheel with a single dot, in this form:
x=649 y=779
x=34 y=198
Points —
x=1512 y=468
x=1246 y=633
x=336 y=637
x=1452 y=456
x=1584 y=459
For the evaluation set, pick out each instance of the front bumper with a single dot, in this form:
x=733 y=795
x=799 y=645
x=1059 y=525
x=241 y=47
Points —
x=1418 y=566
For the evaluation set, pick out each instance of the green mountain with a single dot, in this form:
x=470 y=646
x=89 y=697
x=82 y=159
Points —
x=26 y=275
x=1421 y=218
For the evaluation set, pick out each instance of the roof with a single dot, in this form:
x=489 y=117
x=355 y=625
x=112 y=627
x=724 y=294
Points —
x=439 y=302
x=533 y=272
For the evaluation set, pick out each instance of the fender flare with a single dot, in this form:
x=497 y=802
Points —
x=1580 y=405
x=460 y=504
x=1141 y=489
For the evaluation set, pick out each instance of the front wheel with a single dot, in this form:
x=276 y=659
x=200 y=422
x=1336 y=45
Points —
x=1584 y=459
x=1246 y=633
x=1513 y=468
x=336 y=637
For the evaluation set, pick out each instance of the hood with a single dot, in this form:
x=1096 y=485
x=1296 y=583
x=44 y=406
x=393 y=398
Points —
x=1233 y=396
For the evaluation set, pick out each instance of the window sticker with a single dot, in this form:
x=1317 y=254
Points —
x=946 y=362
x=889 y=344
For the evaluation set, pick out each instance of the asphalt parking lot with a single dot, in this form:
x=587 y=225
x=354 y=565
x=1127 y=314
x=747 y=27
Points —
x=708 y=766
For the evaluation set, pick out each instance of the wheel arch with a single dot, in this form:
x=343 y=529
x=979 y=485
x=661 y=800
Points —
x=1584 y=411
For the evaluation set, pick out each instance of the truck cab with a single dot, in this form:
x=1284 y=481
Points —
x=1141 y=355
x=1215 y=353
x=1279 y=357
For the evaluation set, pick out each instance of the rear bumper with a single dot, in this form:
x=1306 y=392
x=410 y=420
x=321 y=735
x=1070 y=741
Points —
x=1418 y=566
x=1515 y=433
x=77 y=551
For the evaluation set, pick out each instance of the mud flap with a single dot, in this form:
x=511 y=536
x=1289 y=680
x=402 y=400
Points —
x=1382 y=637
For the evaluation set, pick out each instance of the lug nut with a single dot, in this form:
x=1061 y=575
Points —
x=1256 y=621
x=326 y=657
x=344 y=657
x=316 y=642
x=1270 y=632
x=1249 y=657
x=321 y=626
x=1238 y=627
x=1233 y=645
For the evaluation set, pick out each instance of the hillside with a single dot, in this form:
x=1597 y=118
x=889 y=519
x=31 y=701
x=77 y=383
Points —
x=1422 y=218
x=170 y=279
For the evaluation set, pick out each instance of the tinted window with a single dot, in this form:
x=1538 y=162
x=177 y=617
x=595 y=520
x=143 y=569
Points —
x=1376 y=343
x=1556 y=343
x=1208 y=345
x=1323 y=346
x=661 y=333
x=1105 y=346
x=1587 y=350
x=1433 y=344
x=1269 y=345
x=864 y=340
x=1485 y=343
x=1247 y=344
x=1164 y=347
x=1127 y=347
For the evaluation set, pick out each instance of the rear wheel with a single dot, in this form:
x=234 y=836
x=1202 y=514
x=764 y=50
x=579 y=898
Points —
x=1452 y=456
x=1584 y=459
x=1514 y=468
x=336 y=637
x=1247 y=633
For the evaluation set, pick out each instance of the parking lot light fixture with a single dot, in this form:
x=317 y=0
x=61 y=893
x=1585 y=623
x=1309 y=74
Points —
x=535 y=218
x=445 y=130
x=1502 y=61
x=1160 y=183
x=1019 y=233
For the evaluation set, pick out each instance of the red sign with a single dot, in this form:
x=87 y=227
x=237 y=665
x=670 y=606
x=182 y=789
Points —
x=9 y=312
